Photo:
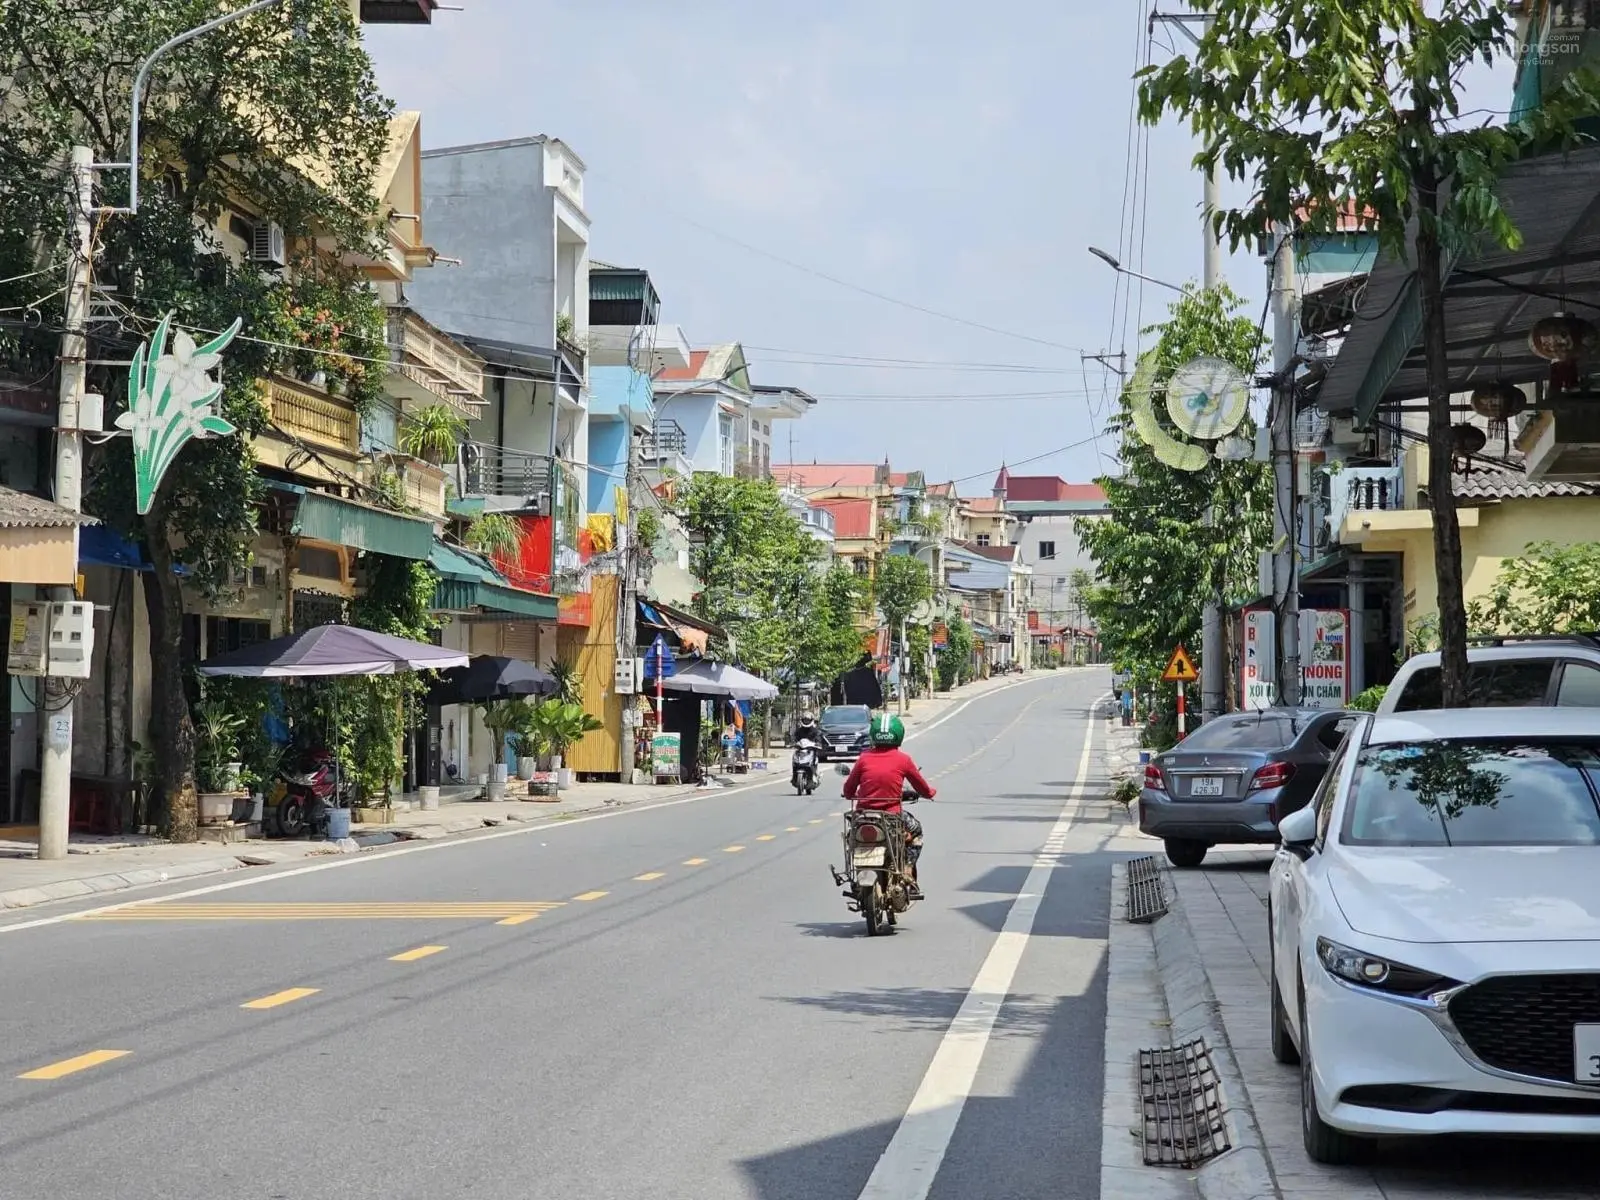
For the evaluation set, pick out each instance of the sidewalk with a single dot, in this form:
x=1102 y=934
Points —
x=99 y=865
x=1201 y=970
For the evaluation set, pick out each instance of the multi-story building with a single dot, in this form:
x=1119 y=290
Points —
x=1049 y=511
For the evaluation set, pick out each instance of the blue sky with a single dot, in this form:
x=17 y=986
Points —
x=952 y=159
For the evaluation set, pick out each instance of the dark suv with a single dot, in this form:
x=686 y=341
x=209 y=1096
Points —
x=1560 y=671
x=844 y=730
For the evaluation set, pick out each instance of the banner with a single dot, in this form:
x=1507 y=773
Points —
x=1324 y=658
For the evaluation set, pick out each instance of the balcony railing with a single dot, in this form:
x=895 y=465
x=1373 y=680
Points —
x=489 y=470
x=314 y=416
x=428 y=368
x=1370 y=489
x=665 y=439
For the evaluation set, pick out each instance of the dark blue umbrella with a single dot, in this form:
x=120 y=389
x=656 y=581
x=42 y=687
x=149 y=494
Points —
x=491 y=677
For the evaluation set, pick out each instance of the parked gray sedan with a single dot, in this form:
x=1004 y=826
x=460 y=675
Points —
x=1233 y=779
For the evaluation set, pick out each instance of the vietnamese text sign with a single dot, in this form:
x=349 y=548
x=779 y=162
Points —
x=1324 y=658
x=1257 y=688
x=665 y=755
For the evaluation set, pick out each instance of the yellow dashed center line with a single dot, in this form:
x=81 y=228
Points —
x=792 y=829
x=837 y=814
x=765 y=837
x=419 y=952
x=69 y=1066
x=287 y=996
x=519 y=919
x=694 y=862
x=648 y=876
x=732 y=849
x=817 y=821
x=591 y=895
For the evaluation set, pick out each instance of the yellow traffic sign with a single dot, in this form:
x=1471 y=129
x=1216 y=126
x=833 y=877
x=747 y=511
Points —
x=1180 y=667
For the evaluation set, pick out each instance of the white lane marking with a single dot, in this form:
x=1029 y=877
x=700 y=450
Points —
x=911 y=1161
x=451 y=843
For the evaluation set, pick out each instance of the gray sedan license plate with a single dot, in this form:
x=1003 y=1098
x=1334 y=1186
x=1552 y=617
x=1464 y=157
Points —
x=1206 y=785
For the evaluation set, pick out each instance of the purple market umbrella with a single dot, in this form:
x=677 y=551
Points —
x=333 y=650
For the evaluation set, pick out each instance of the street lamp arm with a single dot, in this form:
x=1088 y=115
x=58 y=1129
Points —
x=143 y=77
x=1122 y=270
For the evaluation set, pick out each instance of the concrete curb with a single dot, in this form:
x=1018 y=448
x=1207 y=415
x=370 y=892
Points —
x=1242 y=1173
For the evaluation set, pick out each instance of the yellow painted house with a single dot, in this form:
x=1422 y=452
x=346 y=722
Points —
x=1501 y=513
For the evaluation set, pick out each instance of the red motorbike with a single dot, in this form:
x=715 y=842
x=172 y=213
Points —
x=301 y=797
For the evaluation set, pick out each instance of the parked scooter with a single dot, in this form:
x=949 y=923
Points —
x=803 y=767
x=877 y=876
x=301 y=797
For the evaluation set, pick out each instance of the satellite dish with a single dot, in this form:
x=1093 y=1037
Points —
x=1207 y=398
x=923 y=613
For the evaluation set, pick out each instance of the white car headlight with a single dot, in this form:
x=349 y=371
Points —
x=1380 y=974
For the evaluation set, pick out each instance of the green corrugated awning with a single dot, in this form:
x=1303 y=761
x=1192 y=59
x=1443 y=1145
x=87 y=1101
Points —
x=461 y=565
x=326 y=518
x=504 y=598
x=467 y=581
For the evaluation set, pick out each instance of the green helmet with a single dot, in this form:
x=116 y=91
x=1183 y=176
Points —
x=887 y=730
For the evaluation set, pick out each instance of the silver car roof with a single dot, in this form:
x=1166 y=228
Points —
x=1532 y=721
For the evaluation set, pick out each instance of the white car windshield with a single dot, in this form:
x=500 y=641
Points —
x=1502 y=792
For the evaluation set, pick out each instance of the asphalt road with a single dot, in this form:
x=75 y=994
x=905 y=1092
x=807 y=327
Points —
x=666 y=1002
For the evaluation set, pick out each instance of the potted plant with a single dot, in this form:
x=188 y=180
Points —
x=216 y=760
x=433 y=433
x=564 y=724
x=502 y=718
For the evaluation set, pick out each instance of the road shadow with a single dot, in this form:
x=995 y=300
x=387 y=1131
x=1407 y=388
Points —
x=856 y=928
x=1040 y=1138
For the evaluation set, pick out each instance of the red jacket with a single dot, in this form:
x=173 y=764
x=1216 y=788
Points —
x=875 y=781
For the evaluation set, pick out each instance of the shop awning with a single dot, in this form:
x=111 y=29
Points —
x=467 y=581
x=1492 y=298
x=101 y=546
x=326 y=518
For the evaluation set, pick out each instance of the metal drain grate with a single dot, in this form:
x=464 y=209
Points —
x=1181 y=1102
x=1147 y=898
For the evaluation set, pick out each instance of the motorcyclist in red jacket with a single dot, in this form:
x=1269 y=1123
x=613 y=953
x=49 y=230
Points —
x=878 y=780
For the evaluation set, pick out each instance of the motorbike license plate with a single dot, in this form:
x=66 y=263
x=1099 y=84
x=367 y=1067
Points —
x=870 y=856
x=1206 y=785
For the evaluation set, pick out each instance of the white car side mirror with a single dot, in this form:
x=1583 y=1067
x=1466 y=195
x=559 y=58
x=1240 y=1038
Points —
x=1299 y=831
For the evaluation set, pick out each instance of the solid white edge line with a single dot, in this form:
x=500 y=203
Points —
x=450 y=843
x=911 y=1161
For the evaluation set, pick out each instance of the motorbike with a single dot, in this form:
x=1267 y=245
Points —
x=803 y=767
x=300 y=798
x=877 y=855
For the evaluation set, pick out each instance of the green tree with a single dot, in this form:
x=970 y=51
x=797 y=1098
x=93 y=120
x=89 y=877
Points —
x=291 y=124
x=829 y=639
x=903 y=585
x=1155 y=556
x=1324 y=109
x=755 y=564
x=1548 y=589
x=954 y=660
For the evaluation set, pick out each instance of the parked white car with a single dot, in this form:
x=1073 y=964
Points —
x=1435 y=924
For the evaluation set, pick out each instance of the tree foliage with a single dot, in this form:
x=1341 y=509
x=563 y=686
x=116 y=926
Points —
x=1326 y=110
x=903 y=584
x=828 y=640
x=1156 y=557
x=278 y=112
x=954 y=659
x=1548 y=589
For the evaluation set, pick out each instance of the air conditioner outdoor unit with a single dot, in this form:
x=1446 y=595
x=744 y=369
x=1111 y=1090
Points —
x=541 y=504
x=266 y=244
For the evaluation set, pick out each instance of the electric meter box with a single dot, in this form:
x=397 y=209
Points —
x=28 y=652
x=71 y=639
x=626 y=681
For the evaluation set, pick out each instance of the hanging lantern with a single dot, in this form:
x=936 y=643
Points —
x=1499 y=402
x=1465 y=441
x=1564 y=340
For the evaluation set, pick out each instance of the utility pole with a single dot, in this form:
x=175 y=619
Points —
x=1213 y=683
x=55 y=771
x=1285 y=534
x=905 y=666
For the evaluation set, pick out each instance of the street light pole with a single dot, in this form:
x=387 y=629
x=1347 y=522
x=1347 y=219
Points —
x=143 y=77
x=1111 y=261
